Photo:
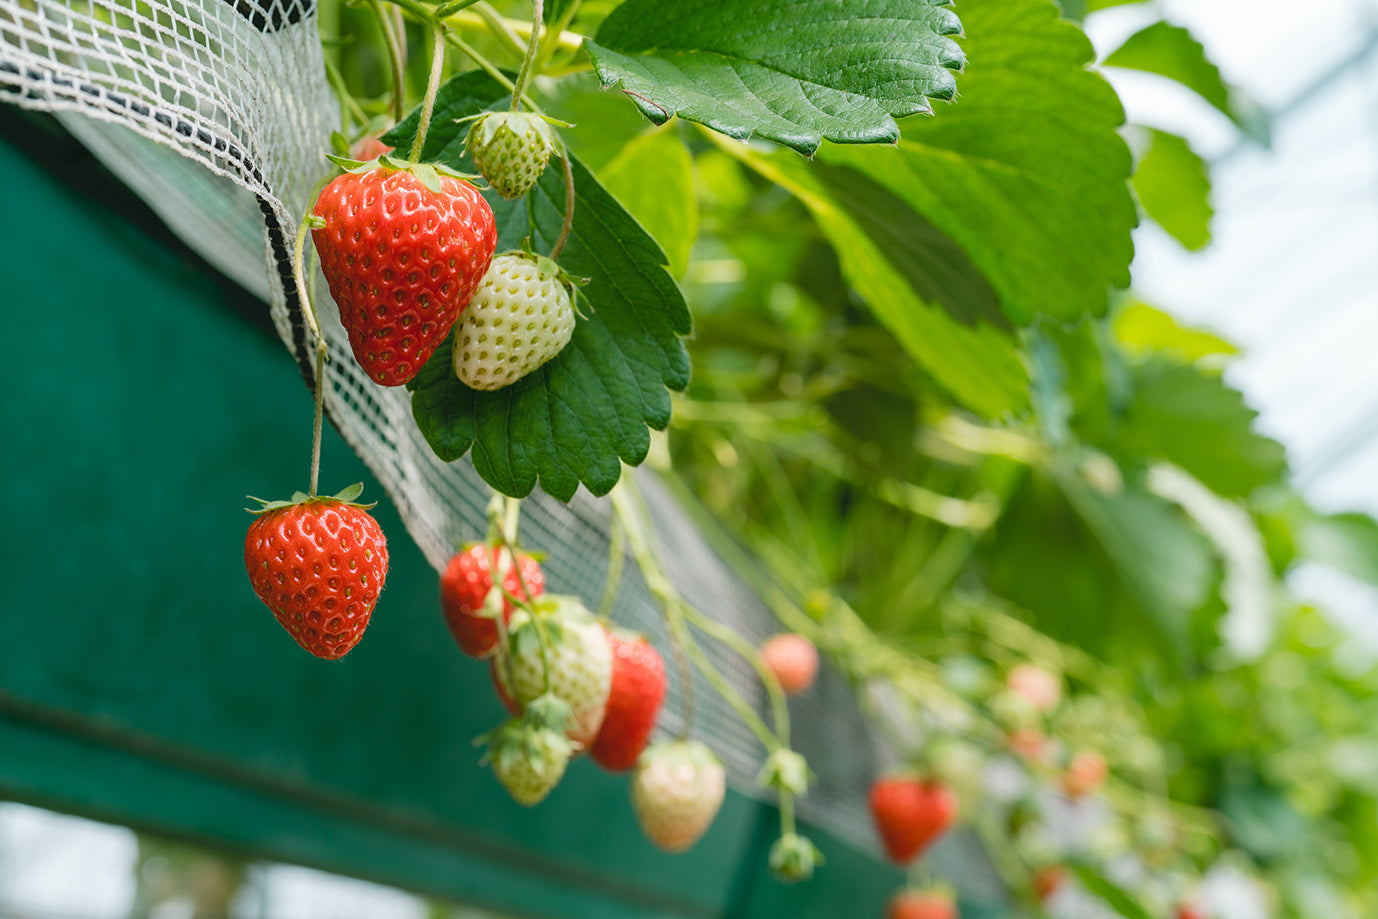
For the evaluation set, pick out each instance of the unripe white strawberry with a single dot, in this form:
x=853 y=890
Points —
x=677 y=789
x=511 y=150
x=580 y=663
x=520 y=317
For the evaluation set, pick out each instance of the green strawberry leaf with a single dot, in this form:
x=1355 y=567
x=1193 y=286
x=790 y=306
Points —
x=1026 y=172
x=582 y=415
x=914 y=278
x=791 y=71
x=1196 y=421
x=1174 y=188
x=1172 y=51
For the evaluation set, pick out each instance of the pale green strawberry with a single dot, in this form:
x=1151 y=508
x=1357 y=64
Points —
x=529 y=753
x=580 y=663
x=677 y=789
x=519 y=318
x=511 y=150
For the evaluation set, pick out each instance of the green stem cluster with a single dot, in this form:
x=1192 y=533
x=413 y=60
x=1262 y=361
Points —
x=631 y=511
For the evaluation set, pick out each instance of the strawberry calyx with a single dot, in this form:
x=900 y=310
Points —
x=793 y=858
x=538 y=127
x=428 y=174
x=786 y=771
x=345 y=496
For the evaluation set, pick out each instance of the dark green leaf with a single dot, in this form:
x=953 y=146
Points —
x=1196 y=421
x=1110 y=893
x=578 y=418
x=1130 y=570
x=889 y=266
x=1174 y=187
x=1165 y=565
x=791 y=71
x=1027 y=172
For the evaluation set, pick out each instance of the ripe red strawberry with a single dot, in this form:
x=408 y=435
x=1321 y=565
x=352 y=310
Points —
x=402 y=259
x=580 y=664
x=910 y=814
x=469 y=601
x=638 y=688
x=319 y=565
x=793 y=659
x=677 y=789
x=1085 y=773
x=921 y=904
x=1036 y=686
x=1190 y=911
x=1048 y=880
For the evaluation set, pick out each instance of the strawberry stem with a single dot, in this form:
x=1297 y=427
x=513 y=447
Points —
x=532 y=46
x=569 y=206
x=626 y=501
x=397 y=55
x=617 y=560
x=308 y=311
x=423 y=123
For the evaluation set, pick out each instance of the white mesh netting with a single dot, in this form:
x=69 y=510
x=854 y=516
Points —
x=217 y=113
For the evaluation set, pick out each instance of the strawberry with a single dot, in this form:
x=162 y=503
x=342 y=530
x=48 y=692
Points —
x=1048 y=880
x=368 y=147
x=580 y=663
x=1085 y=773
x=520 y=317
x=511 y=150
x=793 y=659
x=921 y=904
x=403 y=251
x=470 y=602
x=1036 y=686
x=529 y=753
x=910 y=814
x=677 y=789
x=319 y=565
x=637 y=689
x=1190 y=911
x=1029 y=743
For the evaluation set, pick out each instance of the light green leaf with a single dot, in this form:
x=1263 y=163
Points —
x=1173 y=52
x=1196 y=421
x=791 y=71
x=578 y=418
x=892 y=257
x=1026 y=172
x=1143 y=331
x=653 y=177
x=1174 y=187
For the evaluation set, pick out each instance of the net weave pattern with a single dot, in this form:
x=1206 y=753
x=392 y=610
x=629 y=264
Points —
x=217 y=113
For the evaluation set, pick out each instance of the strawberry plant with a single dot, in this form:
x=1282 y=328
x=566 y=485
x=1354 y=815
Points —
x=925 y=419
